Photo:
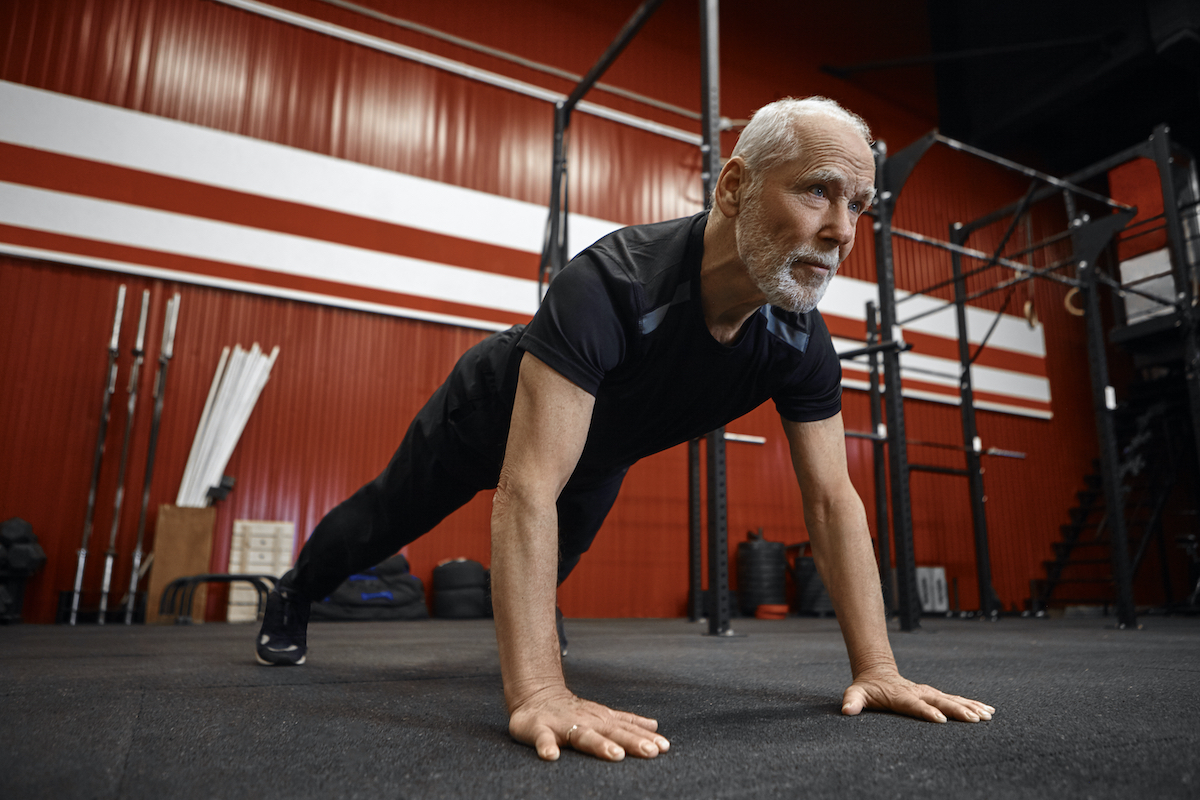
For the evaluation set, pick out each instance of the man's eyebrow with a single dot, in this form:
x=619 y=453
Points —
x=839 y=179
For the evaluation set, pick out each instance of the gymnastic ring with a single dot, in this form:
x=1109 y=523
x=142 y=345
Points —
x=1031 y=315
x=1071 y=308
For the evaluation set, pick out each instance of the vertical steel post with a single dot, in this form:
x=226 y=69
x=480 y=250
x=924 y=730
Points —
x=1088 y=240
x=718 y=536
x=989 y=603
x=879 y=453
x=906 y=566
x=695 y=578
x=555 y=250
x=710 y=155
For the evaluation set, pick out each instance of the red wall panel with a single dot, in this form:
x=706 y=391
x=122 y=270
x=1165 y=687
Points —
x=347 y=382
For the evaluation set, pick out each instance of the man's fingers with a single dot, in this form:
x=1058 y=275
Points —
x=636 y=741
x=963 y=709
x=641 y=722
x=546 y=744
x=587 y=740
x=915 y=700
x=587 y=727
x=853 y=701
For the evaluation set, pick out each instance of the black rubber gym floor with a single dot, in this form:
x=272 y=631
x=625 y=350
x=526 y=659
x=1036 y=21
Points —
x=414 y=710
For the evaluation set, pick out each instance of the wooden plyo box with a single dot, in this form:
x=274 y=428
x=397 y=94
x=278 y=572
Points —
x=182 y=546
x=260 y=548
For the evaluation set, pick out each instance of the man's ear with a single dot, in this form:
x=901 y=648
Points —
x=730 y=187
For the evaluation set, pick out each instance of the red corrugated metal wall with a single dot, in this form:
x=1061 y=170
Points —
x=347 y=382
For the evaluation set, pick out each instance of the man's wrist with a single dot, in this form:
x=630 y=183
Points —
x=532 y=691
x=874 y=666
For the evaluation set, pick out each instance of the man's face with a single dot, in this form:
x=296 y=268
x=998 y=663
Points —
x=797 y=224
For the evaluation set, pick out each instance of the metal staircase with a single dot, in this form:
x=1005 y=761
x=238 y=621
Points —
x=1154 y=433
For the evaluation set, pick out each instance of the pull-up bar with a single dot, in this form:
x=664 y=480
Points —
x=555 y=244
x=1059 y=183
x=985 y=451
x=624 y=36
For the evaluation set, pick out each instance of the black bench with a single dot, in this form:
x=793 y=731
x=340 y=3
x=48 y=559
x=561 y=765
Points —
x=179 y=594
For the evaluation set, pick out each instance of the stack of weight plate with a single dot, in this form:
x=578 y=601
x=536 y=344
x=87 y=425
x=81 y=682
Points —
x=761 y=574
x=460 y=590
x=811 y=596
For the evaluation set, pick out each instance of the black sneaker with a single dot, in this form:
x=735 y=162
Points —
x=283 y=638
x=562 y=633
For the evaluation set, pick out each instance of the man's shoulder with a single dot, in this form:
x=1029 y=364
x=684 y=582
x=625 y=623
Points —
x=795 y=329
x=640 y=249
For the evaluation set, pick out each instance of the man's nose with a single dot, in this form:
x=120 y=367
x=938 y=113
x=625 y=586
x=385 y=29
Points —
x=839 y=225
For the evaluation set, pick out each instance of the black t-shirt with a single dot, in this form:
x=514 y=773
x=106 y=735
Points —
x=623 y=322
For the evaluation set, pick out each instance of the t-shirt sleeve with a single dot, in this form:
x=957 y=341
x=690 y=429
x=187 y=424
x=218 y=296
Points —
x=814 y=391
x=577 y=331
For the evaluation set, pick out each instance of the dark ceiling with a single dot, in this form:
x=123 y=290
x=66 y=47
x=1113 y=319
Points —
x=1056 y=84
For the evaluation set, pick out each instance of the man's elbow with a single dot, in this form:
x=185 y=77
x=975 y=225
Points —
x=518 y=497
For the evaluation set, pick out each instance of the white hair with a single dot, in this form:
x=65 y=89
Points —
x=771 y=135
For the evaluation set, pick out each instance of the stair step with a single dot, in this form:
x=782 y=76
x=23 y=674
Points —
x=1080 y=601
x=1079 y=516
x=1063 y=549
x=1075 y=562
x=1084 y=580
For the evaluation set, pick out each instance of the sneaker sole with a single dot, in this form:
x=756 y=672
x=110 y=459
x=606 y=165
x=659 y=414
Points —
x=266 y=663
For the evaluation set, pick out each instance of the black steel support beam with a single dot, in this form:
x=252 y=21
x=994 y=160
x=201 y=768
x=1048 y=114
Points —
x=962 y=473
x=1140 y=150
x=555 y=247
x=624 y=37
x=989 y=603
x=891 y=173
x=710 y=153
x=1088 y=241
x=877 y=347
x=695 y=536
x=718 y=536
x=879 y=453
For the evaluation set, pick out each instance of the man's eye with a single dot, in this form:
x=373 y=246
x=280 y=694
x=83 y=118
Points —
x=856 y=208
x=819 y=191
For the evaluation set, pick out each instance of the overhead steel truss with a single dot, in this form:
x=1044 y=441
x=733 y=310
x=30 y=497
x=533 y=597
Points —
x=1089 y=237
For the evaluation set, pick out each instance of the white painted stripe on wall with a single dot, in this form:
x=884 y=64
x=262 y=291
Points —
x=950 y=399
x=118 y=223
x=248 y=287
x=1012 y=333
x=107 y=134
x=99 y=132
x=916 y=366
x=847 y=297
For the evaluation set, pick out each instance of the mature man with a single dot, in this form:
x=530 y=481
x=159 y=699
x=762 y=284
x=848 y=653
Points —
x=654 y=335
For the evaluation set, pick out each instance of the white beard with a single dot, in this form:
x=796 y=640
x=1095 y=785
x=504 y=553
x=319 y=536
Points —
x=770 y=266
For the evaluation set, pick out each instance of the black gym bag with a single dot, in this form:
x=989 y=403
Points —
x=386 y=591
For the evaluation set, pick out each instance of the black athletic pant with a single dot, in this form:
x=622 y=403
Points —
x=453 y=449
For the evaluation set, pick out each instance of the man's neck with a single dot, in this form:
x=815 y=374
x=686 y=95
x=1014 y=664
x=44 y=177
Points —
x=727 y=294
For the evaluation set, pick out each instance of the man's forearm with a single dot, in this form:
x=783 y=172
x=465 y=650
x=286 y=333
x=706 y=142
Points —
x=524 y=570
x=846 y=560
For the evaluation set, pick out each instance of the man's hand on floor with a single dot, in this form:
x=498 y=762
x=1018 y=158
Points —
x=891 y=692
x=555 y=718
